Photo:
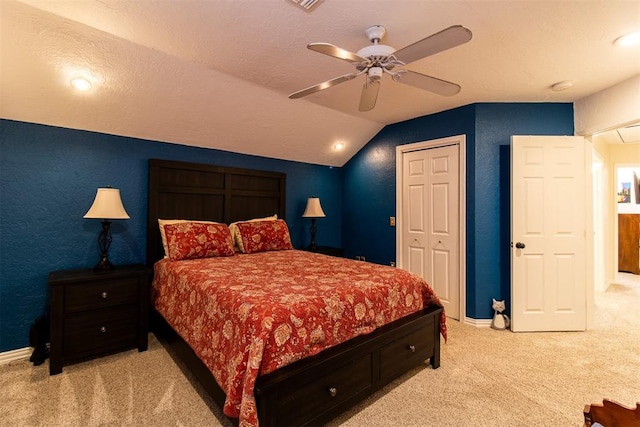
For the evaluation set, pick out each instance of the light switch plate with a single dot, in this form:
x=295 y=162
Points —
x=392 y=221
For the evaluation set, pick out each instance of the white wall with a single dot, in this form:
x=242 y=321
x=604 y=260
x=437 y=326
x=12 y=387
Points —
x=614 y=107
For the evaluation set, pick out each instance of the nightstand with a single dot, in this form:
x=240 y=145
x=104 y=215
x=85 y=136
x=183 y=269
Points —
x=97 y=313
x=327 y=250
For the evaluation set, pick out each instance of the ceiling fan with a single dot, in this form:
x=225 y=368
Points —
x=377 y=59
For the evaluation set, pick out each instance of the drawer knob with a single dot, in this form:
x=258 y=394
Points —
x=333 y=391
x=103 y=329
x=104 y=295
x=412 y=348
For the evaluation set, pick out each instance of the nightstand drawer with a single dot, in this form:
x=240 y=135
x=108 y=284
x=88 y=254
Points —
x=100 y=331
x=97 y=312
x=105 y=293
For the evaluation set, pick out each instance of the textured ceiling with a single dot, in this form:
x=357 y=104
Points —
x=217 y=73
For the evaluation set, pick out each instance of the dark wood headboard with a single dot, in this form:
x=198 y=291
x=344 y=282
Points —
x=179 y=190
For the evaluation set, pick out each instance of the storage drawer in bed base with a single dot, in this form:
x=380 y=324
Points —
x=354 y=370
x=327 y=384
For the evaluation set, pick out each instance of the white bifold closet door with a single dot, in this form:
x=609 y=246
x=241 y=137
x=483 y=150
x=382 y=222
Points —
x=430 y=221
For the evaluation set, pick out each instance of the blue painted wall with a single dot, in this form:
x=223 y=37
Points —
x=49 y=175
x=48 y=180
x=369 y=187
x=495 y=124
x=370 y=181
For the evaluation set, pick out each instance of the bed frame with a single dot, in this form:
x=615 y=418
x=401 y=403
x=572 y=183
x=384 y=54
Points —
x=311 y=391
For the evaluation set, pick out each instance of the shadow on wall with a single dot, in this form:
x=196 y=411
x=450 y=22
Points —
x=505 y=226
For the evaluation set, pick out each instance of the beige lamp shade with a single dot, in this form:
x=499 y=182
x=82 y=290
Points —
x=107 y=205
x=313 y=210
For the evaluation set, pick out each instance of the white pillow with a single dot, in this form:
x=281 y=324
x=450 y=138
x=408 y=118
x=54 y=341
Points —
x=235 y=233
x=163 y=236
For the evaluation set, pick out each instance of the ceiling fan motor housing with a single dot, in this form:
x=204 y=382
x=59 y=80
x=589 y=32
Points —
x=376 y=51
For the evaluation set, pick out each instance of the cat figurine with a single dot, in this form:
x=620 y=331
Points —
x=500 y=321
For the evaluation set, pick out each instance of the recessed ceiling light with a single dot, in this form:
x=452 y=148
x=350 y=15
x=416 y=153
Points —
x=560 y=86
x=81 y=84
x=338 y=146
x=628 y=39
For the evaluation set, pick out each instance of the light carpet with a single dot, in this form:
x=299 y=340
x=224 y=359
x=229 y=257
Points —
x=487 y=378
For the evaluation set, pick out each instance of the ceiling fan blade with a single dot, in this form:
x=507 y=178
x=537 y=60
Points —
x=369 y=95
x=321 y=86
x=336 y=52
x=445 y=39
x=431 y=84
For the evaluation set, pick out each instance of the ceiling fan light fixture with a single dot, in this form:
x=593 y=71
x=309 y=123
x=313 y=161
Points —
x=306 y=4
x=375 y=74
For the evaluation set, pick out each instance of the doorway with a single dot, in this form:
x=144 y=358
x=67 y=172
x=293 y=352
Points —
x=627 y=215
x=436 y=248
x=615 y=147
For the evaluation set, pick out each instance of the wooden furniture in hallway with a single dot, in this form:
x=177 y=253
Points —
x=611 y=414
x=628 y=243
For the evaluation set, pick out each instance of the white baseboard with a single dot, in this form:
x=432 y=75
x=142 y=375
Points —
x=478 y=323
x=17 y=354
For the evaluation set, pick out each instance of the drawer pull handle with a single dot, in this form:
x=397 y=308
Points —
x=412 y=348
x=104 y=295
x=333 y=391
x=103 y=329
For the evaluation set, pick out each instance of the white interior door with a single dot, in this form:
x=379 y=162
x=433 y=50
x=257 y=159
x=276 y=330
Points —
x=430 y=221
x=548 y=233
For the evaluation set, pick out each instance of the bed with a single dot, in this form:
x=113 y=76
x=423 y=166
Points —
x=296 y=391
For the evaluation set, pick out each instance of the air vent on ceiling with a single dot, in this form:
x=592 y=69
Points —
x=306 y=4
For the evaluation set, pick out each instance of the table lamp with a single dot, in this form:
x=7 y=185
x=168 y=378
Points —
x=106 y=206
x=313 y=211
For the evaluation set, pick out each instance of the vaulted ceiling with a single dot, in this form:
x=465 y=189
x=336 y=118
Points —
x=217 y=73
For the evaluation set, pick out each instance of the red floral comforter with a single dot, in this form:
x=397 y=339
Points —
x=250 y=314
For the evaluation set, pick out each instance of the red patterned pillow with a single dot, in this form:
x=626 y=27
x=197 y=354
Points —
x=188 y=240
x=260 y=236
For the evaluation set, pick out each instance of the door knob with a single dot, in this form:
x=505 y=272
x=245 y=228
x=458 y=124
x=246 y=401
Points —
x=520 y=245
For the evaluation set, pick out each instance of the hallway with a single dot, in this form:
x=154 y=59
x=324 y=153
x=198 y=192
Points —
x=627 y=280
